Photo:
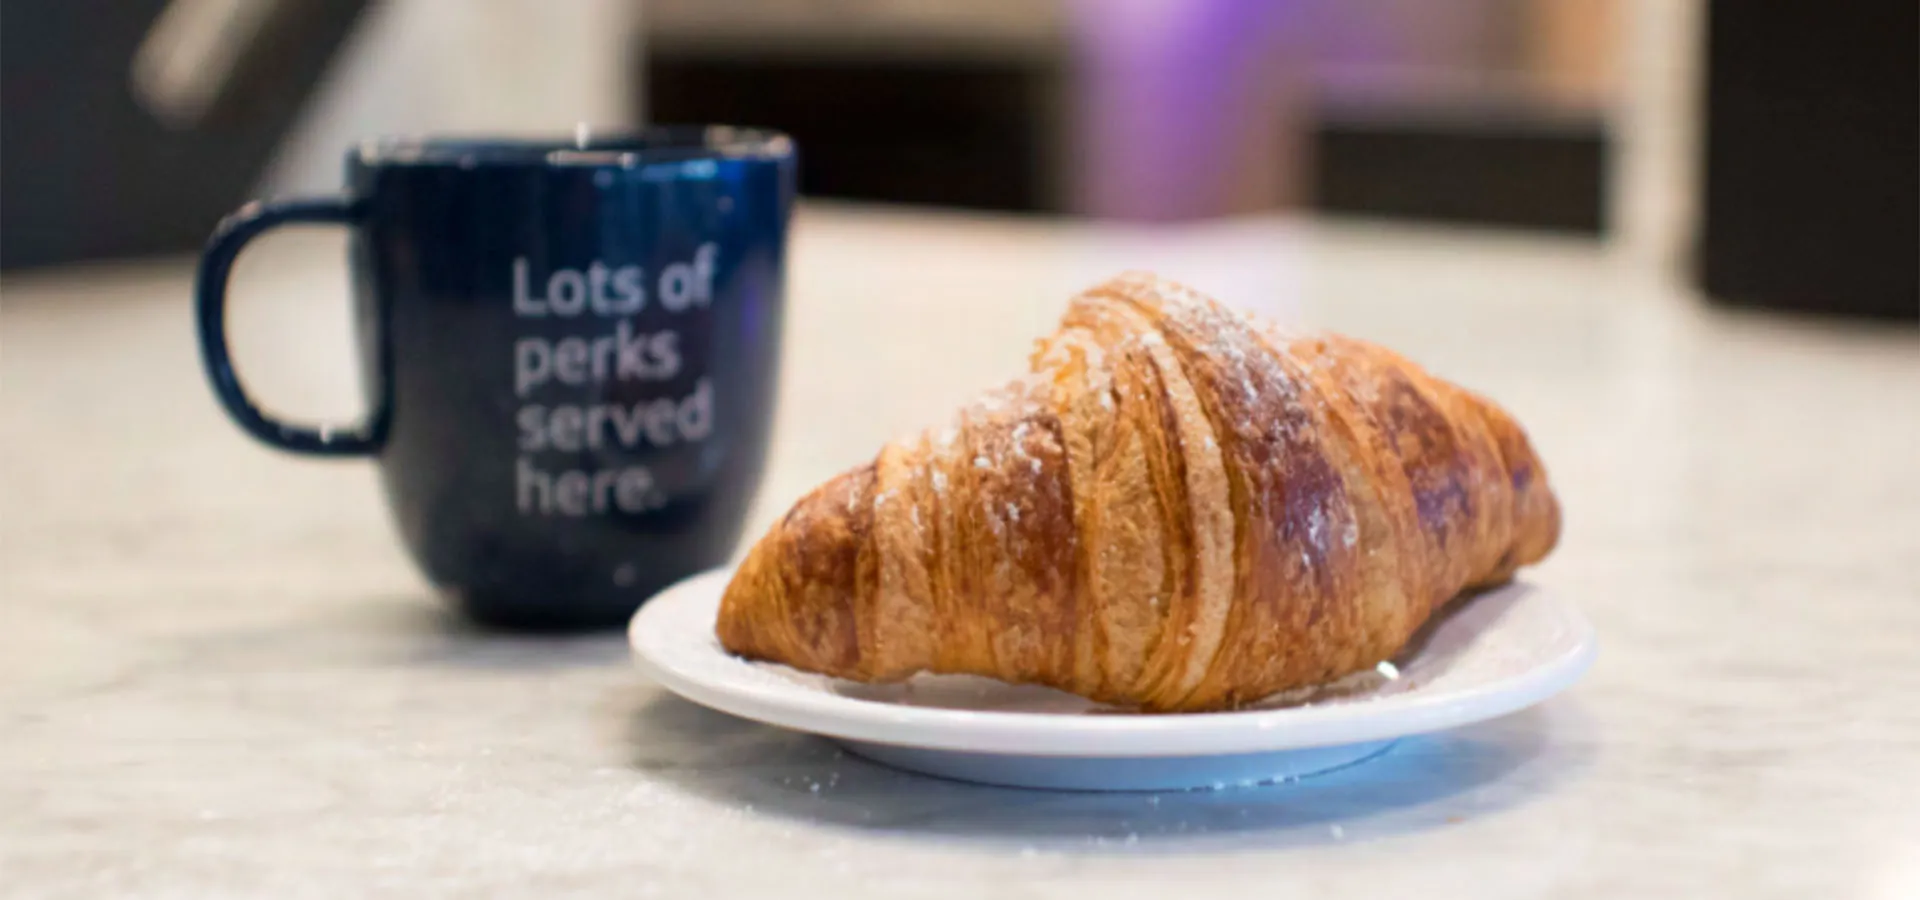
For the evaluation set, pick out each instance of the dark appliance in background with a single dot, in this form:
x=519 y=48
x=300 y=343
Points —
x=90 y=170
x=1505 y=165
x=939 y=129
x=1810 y=173
x=957 y=104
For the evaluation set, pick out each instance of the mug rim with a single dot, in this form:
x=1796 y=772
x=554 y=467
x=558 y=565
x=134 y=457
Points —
x=620 y=147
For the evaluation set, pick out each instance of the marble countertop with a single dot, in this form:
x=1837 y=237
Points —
x=219 y=676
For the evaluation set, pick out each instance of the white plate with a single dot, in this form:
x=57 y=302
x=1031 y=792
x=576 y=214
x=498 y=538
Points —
x=1494 y=654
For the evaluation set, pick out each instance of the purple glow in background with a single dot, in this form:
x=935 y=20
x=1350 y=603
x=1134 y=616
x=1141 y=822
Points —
x=1169 y=91
x=1195 y=108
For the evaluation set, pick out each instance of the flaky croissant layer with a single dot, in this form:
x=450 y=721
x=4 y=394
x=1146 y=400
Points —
x=1178 y=509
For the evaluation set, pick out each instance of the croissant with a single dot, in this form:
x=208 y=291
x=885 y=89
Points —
x=1178 y=509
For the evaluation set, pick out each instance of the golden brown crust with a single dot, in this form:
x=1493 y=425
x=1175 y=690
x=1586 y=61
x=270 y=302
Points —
x=803 y=597
x=1179 y=509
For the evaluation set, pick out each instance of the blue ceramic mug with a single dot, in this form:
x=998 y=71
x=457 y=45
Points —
x=570 y=350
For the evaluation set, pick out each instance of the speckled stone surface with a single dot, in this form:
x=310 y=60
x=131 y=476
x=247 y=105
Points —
x=220 y=677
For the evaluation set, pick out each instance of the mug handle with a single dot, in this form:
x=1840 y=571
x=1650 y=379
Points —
x=210 y=292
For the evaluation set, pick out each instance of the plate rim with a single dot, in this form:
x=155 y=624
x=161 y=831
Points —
x=1173 y=735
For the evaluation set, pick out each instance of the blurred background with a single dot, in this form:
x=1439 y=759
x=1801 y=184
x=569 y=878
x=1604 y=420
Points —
x=1768 y=152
